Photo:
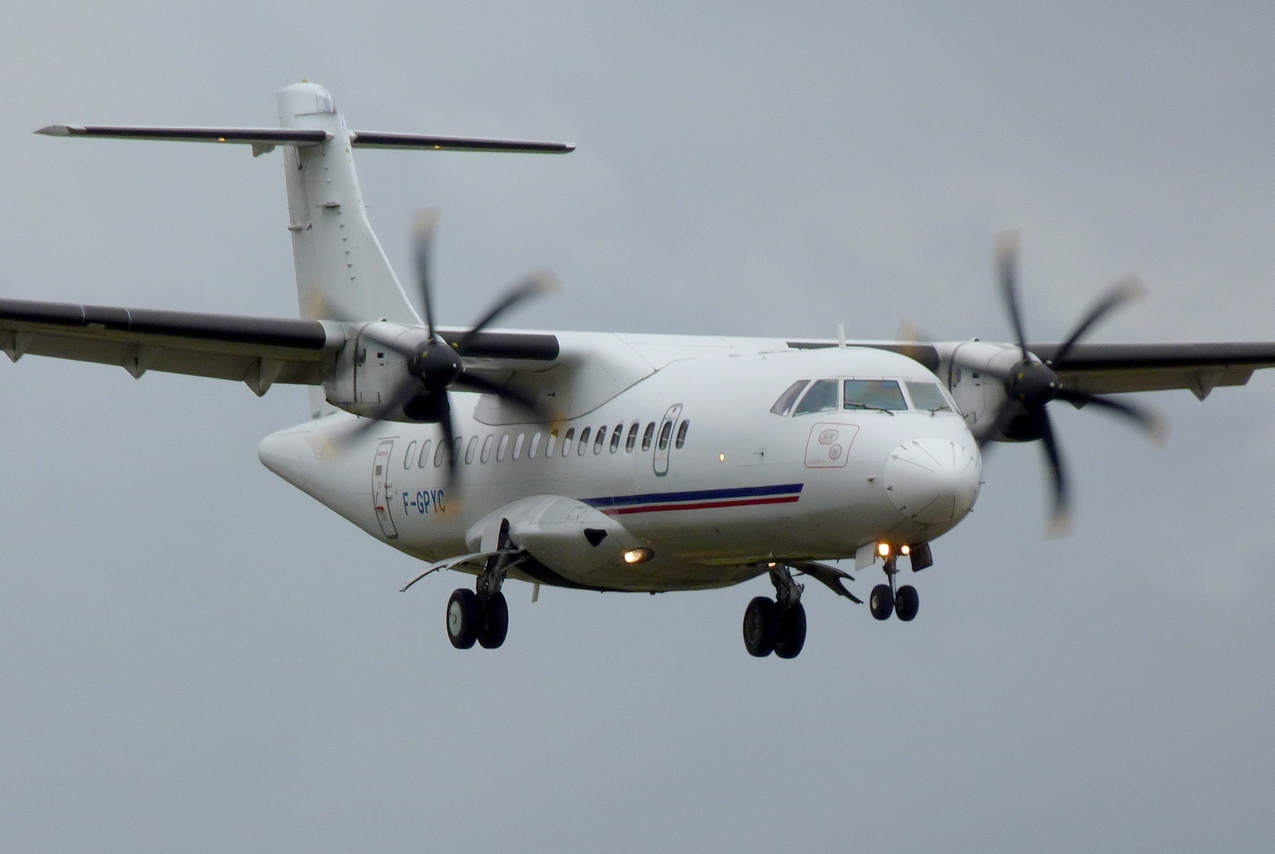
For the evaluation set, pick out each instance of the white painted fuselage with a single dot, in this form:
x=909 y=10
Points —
x=739 y=487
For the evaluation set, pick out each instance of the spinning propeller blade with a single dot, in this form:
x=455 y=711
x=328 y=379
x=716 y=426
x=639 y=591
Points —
x=434 y=366
x=1031 y=385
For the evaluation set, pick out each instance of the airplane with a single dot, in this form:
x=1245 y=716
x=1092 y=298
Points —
x=603 y=461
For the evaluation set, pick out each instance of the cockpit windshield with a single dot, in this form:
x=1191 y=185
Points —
x=927 y=396
x=784 y=404
x=822 y=397
x=884 y=395
x=804 y=397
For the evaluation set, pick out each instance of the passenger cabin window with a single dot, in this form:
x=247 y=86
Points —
x=665 y=431
x=408 y=454
x=566 y=440
x=927 y=396
x=784 y=405
x=630 y=441
x=647 y=435
x=884 y=395
x=457 y=444
x=469 y=449
x=584 y=441
x=487 y=443
x=440 y=454
x=502 y=448
x=822 y=397
x=615 y=437
x=424 y=454
x=600 y=440
x=522 y=437
x=681 y=433
x=535 y=446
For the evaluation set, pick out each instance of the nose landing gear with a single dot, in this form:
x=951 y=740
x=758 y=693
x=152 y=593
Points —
x=885 y=599
x=776 y=625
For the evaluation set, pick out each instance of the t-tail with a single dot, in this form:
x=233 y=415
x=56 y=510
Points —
x=342 y=271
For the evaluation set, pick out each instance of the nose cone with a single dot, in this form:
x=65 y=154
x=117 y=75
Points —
x=933 y=481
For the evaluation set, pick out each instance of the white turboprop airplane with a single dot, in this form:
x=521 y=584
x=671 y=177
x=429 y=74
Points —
x=605 y=461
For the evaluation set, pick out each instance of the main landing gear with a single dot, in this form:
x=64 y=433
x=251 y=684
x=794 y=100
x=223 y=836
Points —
x=776 y=625
x=885 y=599
x=482 y=614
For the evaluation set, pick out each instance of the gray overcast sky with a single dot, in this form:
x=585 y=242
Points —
x=196 y=657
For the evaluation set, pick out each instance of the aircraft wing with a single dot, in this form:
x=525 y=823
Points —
x=258 y=351
x=1117 y=368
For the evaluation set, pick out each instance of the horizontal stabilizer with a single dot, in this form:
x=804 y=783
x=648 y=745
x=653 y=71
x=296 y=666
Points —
x=265 y=139
x=369 y=139
x=261 y=139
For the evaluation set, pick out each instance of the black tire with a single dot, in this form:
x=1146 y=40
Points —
x=760 y=620
x=881 y=602
x=495 y=622
x=464 y=618
x=906 y=603
x=792 y=632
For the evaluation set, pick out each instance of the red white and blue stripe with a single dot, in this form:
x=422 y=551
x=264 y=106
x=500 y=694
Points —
x=698 y=499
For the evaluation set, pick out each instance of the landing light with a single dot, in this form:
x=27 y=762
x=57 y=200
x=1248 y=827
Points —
x=905 y=550
x=883 y=549
x=721 y=458
x=639 y=555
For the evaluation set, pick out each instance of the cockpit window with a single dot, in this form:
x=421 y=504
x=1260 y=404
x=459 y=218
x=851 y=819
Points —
x=784 y=405
x=822 y=397
x=928 y=396
x=874 y=394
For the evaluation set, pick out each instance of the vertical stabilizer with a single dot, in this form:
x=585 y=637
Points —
x=342 y=272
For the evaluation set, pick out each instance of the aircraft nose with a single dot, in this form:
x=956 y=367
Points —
x=933 y=481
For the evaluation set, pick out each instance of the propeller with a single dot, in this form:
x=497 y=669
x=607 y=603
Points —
x=1031 y=385
x=434 y=365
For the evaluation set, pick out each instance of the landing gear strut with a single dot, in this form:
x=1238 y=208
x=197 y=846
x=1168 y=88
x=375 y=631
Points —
x=776 y=625
x=482 y=615
x=885 y=599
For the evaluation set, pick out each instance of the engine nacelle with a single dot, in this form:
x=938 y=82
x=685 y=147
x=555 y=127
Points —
x=366 y=372
x=979 y=395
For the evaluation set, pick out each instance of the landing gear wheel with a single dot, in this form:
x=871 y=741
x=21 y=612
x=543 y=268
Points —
x=464 y=618
x=495 y=624
x=792 y=632
x=881 y=602
x=906 y=603
x=760 y=625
